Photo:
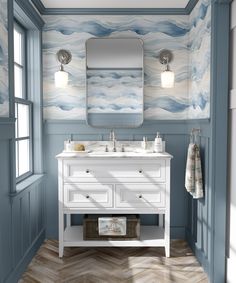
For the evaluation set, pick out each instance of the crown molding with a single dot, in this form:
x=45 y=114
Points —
x=39 y=6
x=29 y=10
x=189 y=7
x=114 y=11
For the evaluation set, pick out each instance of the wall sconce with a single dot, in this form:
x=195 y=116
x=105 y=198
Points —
x=61 y=76
x=167 y=76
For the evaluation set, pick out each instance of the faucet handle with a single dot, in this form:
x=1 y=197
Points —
x=106 y=148
x=112 y=135
x=122 y=148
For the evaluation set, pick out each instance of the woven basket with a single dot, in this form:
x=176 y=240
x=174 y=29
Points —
x=90 y=228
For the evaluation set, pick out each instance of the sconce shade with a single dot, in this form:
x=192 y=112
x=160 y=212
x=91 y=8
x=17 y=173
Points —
x=167 y=79
x=61 y=79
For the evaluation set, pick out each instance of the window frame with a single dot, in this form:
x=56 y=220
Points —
x=24 y=100
x=18 y=27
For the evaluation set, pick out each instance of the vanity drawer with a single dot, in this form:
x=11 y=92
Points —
x=88 y=195
x=139 y=171
x=140 y=195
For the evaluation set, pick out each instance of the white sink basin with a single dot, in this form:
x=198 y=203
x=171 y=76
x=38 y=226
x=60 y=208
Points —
x=119 y=154
x=109 y=154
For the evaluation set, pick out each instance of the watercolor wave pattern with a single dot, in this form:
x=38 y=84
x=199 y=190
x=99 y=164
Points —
x=200 y=46
x=181 y=34
x=115 y=91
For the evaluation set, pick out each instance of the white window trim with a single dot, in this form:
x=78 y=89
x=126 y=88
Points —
x=29 y=137
x=33 y=24
x=24 y=100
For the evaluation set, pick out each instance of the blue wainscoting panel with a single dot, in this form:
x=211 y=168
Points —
x=53 y=145
x=5 y=212
x=28 y=226
x=25 y=221
x=199 y=225
x=177 y=146
x=21 y=215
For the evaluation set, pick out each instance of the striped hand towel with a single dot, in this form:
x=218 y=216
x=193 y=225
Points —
x=193 y=174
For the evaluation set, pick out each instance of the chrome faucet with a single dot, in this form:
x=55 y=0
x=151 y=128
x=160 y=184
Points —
x=113 y=139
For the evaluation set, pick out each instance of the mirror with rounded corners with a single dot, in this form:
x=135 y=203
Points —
x=114 y=81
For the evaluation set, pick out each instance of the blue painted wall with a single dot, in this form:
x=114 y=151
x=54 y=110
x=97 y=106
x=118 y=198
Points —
x=21 y=214
x=199 y=221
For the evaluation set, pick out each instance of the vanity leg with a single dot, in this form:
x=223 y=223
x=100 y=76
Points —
x=161 y=220
x=61 y=232
x=68 y=220
x=167 y=234
x=60 y=209
x=167 y=250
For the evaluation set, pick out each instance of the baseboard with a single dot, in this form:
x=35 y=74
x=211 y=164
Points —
x=202 y=259
x=22 y=265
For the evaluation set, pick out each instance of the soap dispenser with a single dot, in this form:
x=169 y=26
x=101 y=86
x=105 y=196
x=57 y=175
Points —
x=144 y=143
x=158 y=143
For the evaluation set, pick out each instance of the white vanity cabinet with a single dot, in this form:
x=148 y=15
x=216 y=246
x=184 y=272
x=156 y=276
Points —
x=135 y=184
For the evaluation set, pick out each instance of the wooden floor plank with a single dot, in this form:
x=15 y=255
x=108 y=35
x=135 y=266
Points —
x=114 y=265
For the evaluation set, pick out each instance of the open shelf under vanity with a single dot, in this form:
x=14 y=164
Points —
x=150 y=236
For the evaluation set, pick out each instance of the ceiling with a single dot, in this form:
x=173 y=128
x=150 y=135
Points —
x=115 y=3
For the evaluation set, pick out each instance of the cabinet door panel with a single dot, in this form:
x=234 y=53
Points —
x=140 y=195
x=88 y=195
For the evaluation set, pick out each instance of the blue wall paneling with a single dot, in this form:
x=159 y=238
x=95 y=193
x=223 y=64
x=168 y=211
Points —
x=21 y=212
x=21 y=216
x=219 y=128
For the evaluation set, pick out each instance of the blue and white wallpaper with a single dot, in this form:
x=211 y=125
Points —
x=200 y=59
x=119 y=91
x=4 y=93
x=180 y=34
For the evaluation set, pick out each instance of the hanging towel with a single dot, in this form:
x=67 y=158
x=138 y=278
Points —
x=193 y=174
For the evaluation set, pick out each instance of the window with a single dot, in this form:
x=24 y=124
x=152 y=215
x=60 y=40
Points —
x=23 y=107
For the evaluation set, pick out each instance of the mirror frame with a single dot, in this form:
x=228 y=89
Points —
x=122 y=126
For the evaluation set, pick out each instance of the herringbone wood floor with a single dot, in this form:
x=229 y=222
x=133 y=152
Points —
x=114 y=265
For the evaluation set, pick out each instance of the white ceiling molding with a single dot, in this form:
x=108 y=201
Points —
x=136 y=4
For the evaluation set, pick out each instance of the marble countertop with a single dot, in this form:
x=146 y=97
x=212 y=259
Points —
x=97 y=154
x=97 y=150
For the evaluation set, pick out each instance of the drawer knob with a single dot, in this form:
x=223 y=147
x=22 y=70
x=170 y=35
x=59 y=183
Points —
x=140 y=196
x=87 y=196
x=140 y=171
x=87 y=171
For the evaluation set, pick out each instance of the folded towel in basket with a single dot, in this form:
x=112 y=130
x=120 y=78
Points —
x=193 y=174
